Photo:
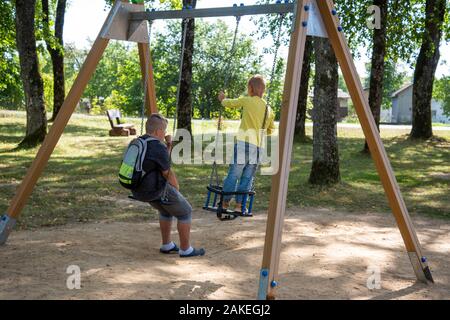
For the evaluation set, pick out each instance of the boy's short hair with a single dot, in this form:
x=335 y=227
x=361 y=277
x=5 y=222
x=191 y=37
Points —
x=258 y=84
x=155 y=122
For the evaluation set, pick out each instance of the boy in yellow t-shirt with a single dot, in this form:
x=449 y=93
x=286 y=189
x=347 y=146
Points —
x=255 y=114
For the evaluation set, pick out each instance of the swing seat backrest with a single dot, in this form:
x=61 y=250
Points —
x=114 y=117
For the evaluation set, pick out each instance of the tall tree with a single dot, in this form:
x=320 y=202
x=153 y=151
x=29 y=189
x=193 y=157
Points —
x=325 y=166
x=378 y=64
x=394 y=79
x=29 y=71
x=185 y=103
x=300 y=123
x=426 y=65
x=55 y=47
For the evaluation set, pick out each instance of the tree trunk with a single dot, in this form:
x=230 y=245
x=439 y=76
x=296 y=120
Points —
x=378 y=64
x=325 y=167
x=300 y=129
x=426 y=68
x=29 y=71
x=185 y=103
x=55 y=47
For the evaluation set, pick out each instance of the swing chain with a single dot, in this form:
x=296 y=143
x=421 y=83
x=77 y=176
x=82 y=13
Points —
x=214 y=173
x=275 y=60
x=269 y=91
x=232 y=51
x=228 y=75
x=180 y=78
x=175 y=118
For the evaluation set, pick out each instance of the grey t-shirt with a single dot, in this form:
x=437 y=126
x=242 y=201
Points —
x=156 y=160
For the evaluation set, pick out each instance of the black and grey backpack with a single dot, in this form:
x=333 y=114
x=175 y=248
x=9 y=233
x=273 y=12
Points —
x=131 y=170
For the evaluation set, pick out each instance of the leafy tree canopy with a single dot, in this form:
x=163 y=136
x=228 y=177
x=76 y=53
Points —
x=442 y=93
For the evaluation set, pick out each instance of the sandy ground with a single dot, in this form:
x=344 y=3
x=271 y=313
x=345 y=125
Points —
x=325 y=255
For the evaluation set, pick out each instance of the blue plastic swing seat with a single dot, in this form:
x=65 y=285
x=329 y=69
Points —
x=214 y=200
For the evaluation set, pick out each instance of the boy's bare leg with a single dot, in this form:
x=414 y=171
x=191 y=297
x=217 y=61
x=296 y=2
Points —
x=238 y=207
x=184 y=230
x=166 y=228
x=226 y=204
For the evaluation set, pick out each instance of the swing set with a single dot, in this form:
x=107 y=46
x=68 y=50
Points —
x=128 y=22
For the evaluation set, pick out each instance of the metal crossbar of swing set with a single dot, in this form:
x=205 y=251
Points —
x=235 y=11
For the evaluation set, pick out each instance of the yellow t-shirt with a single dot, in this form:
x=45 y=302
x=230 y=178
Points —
x=253 y=111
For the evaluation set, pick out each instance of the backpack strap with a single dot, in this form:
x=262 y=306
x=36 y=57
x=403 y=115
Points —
x=144 y=152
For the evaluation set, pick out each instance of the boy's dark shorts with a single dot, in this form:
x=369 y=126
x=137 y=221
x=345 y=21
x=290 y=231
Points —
x=177 y=207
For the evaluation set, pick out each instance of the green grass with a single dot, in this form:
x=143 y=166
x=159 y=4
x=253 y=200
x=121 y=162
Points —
x=80 y=185
x=441 y=125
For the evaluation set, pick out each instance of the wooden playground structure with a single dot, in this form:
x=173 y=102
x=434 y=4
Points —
x=128 y=22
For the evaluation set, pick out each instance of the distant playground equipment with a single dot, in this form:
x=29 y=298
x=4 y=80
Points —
x=127 y=22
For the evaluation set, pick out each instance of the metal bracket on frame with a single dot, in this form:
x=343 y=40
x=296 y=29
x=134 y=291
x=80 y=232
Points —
x=118 y=25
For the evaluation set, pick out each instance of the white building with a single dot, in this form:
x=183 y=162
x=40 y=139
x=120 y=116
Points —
x=385 y=114
x=402 y=107
x=342 y=105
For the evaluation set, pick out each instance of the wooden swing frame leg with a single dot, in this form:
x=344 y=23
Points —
x=147 y=71
x=277 y=205
x=148 y=79
x=25 y=189
x=272 y=248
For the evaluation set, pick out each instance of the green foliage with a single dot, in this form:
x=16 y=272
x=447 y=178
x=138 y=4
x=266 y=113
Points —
x=45 y=31
x=342 y=85
x=11 y=93
x=45 y=66
x=269 y=24
x=211 y=64
x=73 y=60
x=404 y=25
x=117 y=81
x=393 y=80
x=442 y=93
x=447 y=23
x=276 y=86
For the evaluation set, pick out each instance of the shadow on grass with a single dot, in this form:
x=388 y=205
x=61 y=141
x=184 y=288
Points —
x=77 y=186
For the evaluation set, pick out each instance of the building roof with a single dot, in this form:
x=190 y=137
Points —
x=341 y=94
x=398 y=92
